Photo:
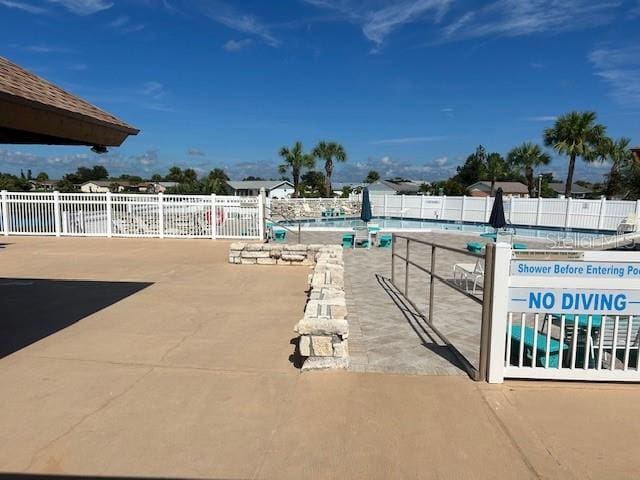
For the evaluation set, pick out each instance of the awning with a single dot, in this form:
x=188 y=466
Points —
x=35 y=111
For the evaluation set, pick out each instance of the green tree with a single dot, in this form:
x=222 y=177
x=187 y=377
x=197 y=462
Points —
x=619 y=154
x=575 y=134
x=156 y=177
x=174 y=175
x=42 y=177
x=526 y=158
x=630 y=180
x=474 y=168
x=216 y=182
x=329 y=152
x=65 y=185
x=251 y=178
x=13 y=183
x=372 y=177
x=314 y=183
x=295 y=159
x=496 y=168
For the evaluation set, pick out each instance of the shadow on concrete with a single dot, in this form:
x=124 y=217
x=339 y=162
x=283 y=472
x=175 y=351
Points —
x=32 y=309
x=420 y=326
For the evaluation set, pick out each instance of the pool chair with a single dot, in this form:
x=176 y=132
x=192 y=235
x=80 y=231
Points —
x=385 y=241
x=362 y=237
x=492 y=235
x=475 y=247
x=279 y=234
x=519 y=246
x=529 y=337
x=348 y=240
x=469 y=273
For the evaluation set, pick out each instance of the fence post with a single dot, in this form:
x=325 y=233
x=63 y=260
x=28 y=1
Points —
x=499 y=312
x=109 y=215
x=539 y=211
x=422 y=206
x=402 y=205
x=261 y=213
x=161 y=214
x=5 y=213
x=444 y=200
x=56 y=211
x=487 y=210
x=567 y=215
x=603 y=211
x=512 y=208
x=385 y=205
x=214 y=217
x=464 y=203
x=637 y=208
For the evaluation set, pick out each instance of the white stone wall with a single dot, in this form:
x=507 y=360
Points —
x=299 y=208
x=324 y=329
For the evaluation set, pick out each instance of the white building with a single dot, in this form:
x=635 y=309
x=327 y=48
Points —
x=275 y=189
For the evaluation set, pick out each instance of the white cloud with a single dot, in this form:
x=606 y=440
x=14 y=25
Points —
x=635 y=11
x=441 y=162
x=620 y=69
x=523 y=17
x=123 y=24
x=237 y=45
x=195 y=152
x=541 y=118
x=407 y=140
x=25 y=7
x=119 y=22
x=379 y=21
x=45 y=49
x=84 y=7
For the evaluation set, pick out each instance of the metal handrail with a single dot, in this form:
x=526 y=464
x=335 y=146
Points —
x=485 y=301
x=277 y=222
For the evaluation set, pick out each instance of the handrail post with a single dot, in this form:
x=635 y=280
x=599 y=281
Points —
x=262 y=207
x=5 y=213
x=485 y=327
x=499 y=311
x=406 y=270
x=432 y=283
x=393 y=259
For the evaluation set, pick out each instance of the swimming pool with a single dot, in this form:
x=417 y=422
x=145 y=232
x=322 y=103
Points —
x=415 y=225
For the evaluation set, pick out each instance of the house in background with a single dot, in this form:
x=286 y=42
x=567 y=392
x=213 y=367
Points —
x=395 y=186
x=577 y=191
x=339 y=187
x=44 y=185
x=275 y=189
x=509 y=189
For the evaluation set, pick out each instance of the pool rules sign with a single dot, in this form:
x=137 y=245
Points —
x=599 y=293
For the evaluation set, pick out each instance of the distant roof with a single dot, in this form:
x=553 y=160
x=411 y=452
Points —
x=507 y=187
x=399 y=186
x=340 y=186
x=37 y=111
x=258 y=184
x=558 y=187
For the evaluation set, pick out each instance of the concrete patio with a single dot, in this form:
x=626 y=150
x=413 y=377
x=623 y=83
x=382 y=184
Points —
x=157 y=358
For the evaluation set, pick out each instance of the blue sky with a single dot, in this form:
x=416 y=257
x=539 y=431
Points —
x=410 y=87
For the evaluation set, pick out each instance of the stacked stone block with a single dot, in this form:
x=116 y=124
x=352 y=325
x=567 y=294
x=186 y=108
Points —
x=273 y=254
x=313 y=208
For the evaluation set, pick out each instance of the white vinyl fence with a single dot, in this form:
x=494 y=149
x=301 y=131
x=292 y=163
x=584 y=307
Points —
x=544 y=212
x=131 y=215
x=565 y=315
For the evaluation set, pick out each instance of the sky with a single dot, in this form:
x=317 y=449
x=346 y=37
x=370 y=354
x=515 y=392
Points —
x=409 y=87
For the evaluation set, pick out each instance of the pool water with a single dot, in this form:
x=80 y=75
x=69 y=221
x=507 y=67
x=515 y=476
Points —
x=414 y=225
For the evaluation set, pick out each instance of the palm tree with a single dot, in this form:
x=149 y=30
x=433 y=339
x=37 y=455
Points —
x=329 y=151
x=620 y=155
x=526 y=158
x=295 y=159
x=495 y=169
x=575 y=134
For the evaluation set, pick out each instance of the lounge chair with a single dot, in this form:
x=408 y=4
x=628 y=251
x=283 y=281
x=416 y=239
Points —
x=362 y=237
x=527 y=337
x=385 y=241
x=469 y=272
x=348 y=240
x=629 y=225
x=475 y=247
x=279 y=234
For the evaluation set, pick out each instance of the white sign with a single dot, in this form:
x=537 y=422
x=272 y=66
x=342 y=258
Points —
x=525 y=268
x=567 y=301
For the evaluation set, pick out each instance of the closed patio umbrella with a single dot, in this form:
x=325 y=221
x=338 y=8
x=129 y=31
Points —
x=497 y=220
x=365 y=213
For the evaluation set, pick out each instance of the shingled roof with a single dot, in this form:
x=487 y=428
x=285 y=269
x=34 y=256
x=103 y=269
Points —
x=41 y=112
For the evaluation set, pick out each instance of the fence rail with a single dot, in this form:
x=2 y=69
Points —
x=598 y=214
x=131 y=215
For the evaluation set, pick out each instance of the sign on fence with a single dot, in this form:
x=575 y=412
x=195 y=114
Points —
x=574 y=301
x=575 y=269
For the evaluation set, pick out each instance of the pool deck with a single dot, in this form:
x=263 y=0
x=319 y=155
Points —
x=156 y=358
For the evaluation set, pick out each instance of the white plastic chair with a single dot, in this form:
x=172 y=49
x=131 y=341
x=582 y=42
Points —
x=473 y=272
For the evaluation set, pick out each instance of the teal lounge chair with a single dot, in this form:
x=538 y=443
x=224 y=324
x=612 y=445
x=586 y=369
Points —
x=385 y=241
x=541 y=347
x=492 y=235
x=279 y=234
x=475 y=247
x=348 y=240
x=520 y=246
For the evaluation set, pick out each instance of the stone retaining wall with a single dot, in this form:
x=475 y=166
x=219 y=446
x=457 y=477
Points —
x=324 y=329
x=297 y=208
